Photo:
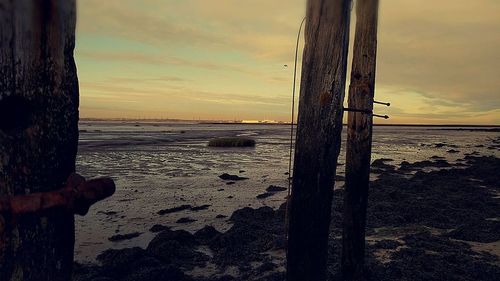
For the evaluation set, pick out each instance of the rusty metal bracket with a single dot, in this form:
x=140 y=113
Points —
x=76 y=197
x=365 y=111
x=382 y=102
x=358 y=110
x=381 y=116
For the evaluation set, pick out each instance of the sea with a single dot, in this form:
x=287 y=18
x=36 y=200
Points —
x=163 y=164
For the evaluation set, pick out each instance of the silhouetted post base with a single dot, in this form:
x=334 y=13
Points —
x=318 y=137
x=38 y=134
x=359 y=140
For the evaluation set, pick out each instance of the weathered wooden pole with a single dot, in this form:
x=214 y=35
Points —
x=318 y=137
x=359 y=139
x=38 y=134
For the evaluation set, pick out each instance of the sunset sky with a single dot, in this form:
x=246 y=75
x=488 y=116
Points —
x=224 y=59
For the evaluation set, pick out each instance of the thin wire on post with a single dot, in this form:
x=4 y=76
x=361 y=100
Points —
x=293 y=108
x=291 y=135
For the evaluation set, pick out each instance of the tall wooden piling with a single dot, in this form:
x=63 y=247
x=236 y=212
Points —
x=359 y=139
x=318 y=137
x=38 y=134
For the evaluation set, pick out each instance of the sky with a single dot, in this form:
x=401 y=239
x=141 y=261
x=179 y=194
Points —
x=438 y=62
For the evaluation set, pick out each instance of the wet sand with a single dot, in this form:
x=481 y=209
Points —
x=427 y=220
x=158 y=166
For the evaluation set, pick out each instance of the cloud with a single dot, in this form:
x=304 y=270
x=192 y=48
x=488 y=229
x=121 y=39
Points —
x=436 y=61
x=112 y=91
x=158 y=59
x=444 y=51
x=126 y=58
x=149 y=79
x=262 y=29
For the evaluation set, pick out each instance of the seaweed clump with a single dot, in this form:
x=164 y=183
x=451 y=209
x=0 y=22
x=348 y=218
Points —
x=232 y=142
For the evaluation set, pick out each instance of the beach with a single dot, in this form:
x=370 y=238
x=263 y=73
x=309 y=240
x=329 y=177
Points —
x=432 y=215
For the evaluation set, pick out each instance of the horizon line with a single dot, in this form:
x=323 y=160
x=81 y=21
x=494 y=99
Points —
x=273 y=122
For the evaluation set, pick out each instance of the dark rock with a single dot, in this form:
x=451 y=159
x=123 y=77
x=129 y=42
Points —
x=436 y=157
x=275 y=188
x=387 y=244
x=391 y=195
x=222 y=278
x=484 y=231
x=176 y=248
x=430 y=257
x=158 y=228
x=438 y=163
x=253 y=232
x=119 y=263
x=108 y=213
x=174 y=209
x=405 y=205
x=86 y=272
x=440 y=144
x=206 y=233
x=180 y=236
x=380 y=163
x=265 y=195
x=157 y=273
x=220 y=216
x=199 y=208
x=379 y=166
x=121 y=237
x=230 y=182
x=275 y=276
x=280 y=242
x=404 y=165
x=452 y=151
x=101 y=279
x=229 y=177
x=185 y=220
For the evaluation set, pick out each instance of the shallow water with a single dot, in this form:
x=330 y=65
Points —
x=162 y=165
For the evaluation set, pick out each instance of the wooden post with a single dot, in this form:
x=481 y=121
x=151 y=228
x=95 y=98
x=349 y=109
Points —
x=318 y=137
x=359 y=139
x=38 y=134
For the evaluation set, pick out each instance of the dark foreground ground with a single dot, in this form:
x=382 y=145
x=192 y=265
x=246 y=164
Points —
x=439 y=224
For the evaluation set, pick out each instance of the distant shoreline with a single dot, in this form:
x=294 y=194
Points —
x=210 y=122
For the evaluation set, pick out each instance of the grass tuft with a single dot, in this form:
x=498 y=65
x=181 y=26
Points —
x=232 y=142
